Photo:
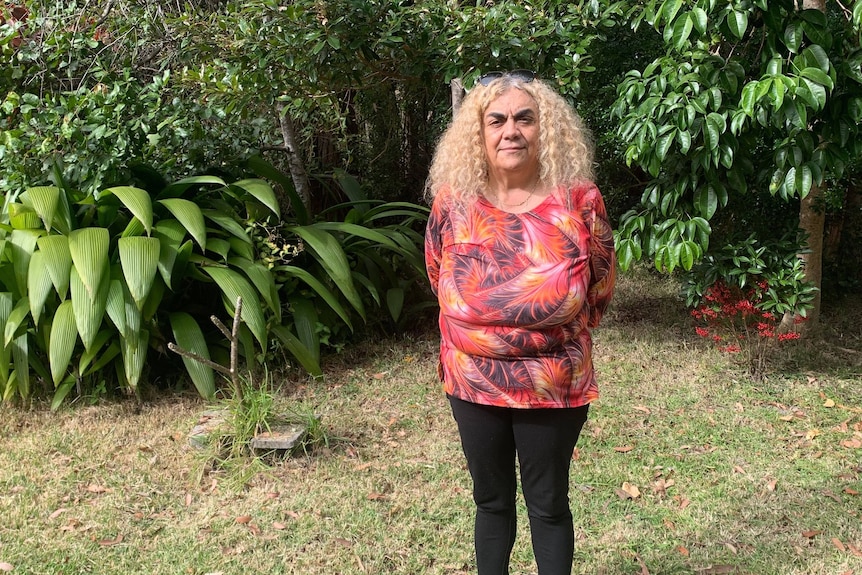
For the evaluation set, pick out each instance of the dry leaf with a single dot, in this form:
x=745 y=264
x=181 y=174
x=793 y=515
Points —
x=829 y=403
x=716 y=570
x=682 y=551
x=93 y=488
x=292 y=514
x=243 y=519
x=273 y=495
x=278 y=525
x=838 y=545
x=850 y=491
x=770 y=486
x=642 y=408
x=188 y=499
x=852 y=443
x=629 y=491
x=683 y=502
x=811 y=434
x=57 y=513
x=5 y=566
x=811 y=534
x=114 y=541
x=376 y=496
x=854 y=550
x=624 y=448
x=738 y=469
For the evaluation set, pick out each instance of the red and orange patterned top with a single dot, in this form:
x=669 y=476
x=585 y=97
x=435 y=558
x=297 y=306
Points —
x=518 y=294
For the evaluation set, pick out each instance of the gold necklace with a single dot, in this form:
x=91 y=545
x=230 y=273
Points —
x=522 y=204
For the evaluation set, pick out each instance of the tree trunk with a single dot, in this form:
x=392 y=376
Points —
x=297 y=168
x=457 y=88
x=812 y=219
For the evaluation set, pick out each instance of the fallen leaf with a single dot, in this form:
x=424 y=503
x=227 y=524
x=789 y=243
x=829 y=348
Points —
x=624 y=448
x=629 y=491
x=278 y=525
x=57 y=513
x=811 y=534
x=376 y=496
x=343 y=542
x=732 y=548
x=738 y=469
x=829 y=403
x=850 y=491
x=243 y=519
x=380 y=375
x=669 y=524
x=114 y=541
x=716 y=570
x=93 y=488
x=682 y=551
x=838 y=545
x=811 y=434
x=854 y=550
x=273 y=495
x=770 y=486
x=255 y=530
x=292 y=514
x=5 y=566
x=786 y=418
x=683 y=502
x=852 y=443
x=643 y=409
x=188 y=499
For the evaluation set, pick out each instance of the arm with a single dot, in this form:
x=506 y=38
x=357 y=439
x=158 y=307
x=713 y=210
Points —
x=603 y=259
x=434 y=242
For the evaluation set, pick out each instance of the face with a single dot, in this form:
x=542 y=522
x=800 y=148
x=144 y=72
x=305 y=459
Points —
x=510 y=128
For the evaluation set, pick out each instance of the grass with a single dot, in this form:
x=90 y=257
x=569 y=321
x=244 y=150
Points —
x=731 y=476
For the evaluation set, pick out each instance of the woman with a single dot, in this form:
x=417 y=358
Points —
x=520 y=254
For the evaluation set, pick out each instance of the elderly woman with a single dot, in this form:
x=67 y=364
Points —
x=520 y=254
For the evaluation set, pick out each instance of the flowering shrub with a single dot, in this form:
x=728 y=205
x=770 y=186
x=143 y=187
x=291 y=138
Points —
x=738 y=321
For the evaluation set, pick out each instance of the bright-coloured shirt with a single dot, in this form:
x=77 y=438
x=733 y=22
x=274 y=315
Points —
x=518 y=295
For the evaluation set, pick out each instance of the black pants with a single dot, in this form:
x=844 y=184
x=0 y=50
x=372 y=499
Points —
x=544 y=440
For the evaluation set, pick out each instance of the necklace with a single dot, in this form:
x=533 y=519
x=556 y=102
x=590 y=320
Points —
x=520 y=204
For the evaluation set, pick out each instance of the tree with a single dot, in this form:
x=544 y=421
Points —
x=754 y=99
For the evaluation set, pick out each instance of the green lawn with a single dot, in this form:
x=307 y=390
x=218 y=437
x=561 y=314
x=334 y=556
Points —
x=686 y=466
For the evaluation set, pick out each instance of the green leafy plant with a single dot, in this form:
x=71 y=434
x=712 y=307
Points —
x=92 y=281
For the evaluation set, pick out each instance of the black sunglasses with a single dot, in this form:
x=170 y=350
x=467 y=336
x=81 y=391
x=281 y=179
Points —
x=525 y=76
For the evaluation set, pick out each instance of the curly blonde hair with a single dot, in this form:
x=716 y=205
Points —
x=565 y=145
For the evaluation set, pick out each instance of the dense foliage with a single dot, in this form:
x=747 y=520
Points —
x=314 y=122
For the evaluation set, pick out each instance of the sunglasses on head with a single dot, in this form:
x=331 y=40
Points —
x=525 y=76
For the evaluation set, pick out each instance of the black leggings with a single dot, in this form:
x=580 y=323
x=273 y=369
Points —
x=544 y=440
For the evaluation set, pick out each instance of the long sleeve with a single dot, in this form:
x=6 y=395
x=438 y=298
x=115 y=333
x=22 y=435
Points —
x=602 y=260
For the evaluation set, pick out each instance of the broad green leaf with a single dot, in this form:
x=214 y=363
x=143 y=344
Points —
x=58 y=261
x=136 y=201
x=219 y=247
x=16 y=319
x=305 y=321
x=395 y=302
x=263 y=168
x=44 y=200
x=139 y=258
x=62 y=391
x=89 y=309
x=88 y=355
x=331 y=256
x=23 y=244
x=89 y=250
x=190 y=216
x=706 y=201
x=737 y=23
x=298 y=350
x=38 y=285
x=64 y=334
x=228 y=224
x=817 y=75
x=188 y=335
x=6 y=301
x=134 y=349
x=262 y=191
x=321 y=290
x=793 y=36
x=234 y=286
x=115 y=306
x=681 y=31
x=263 y=280
x=21 y=359
x=23 y=217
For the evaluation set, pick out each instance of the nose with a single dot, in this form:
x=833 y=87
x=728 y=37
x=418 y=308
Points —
x=510 y=128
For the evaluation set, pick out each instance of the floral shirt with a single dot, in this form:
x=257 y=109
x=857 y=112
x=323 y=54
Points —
x=518 y=295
